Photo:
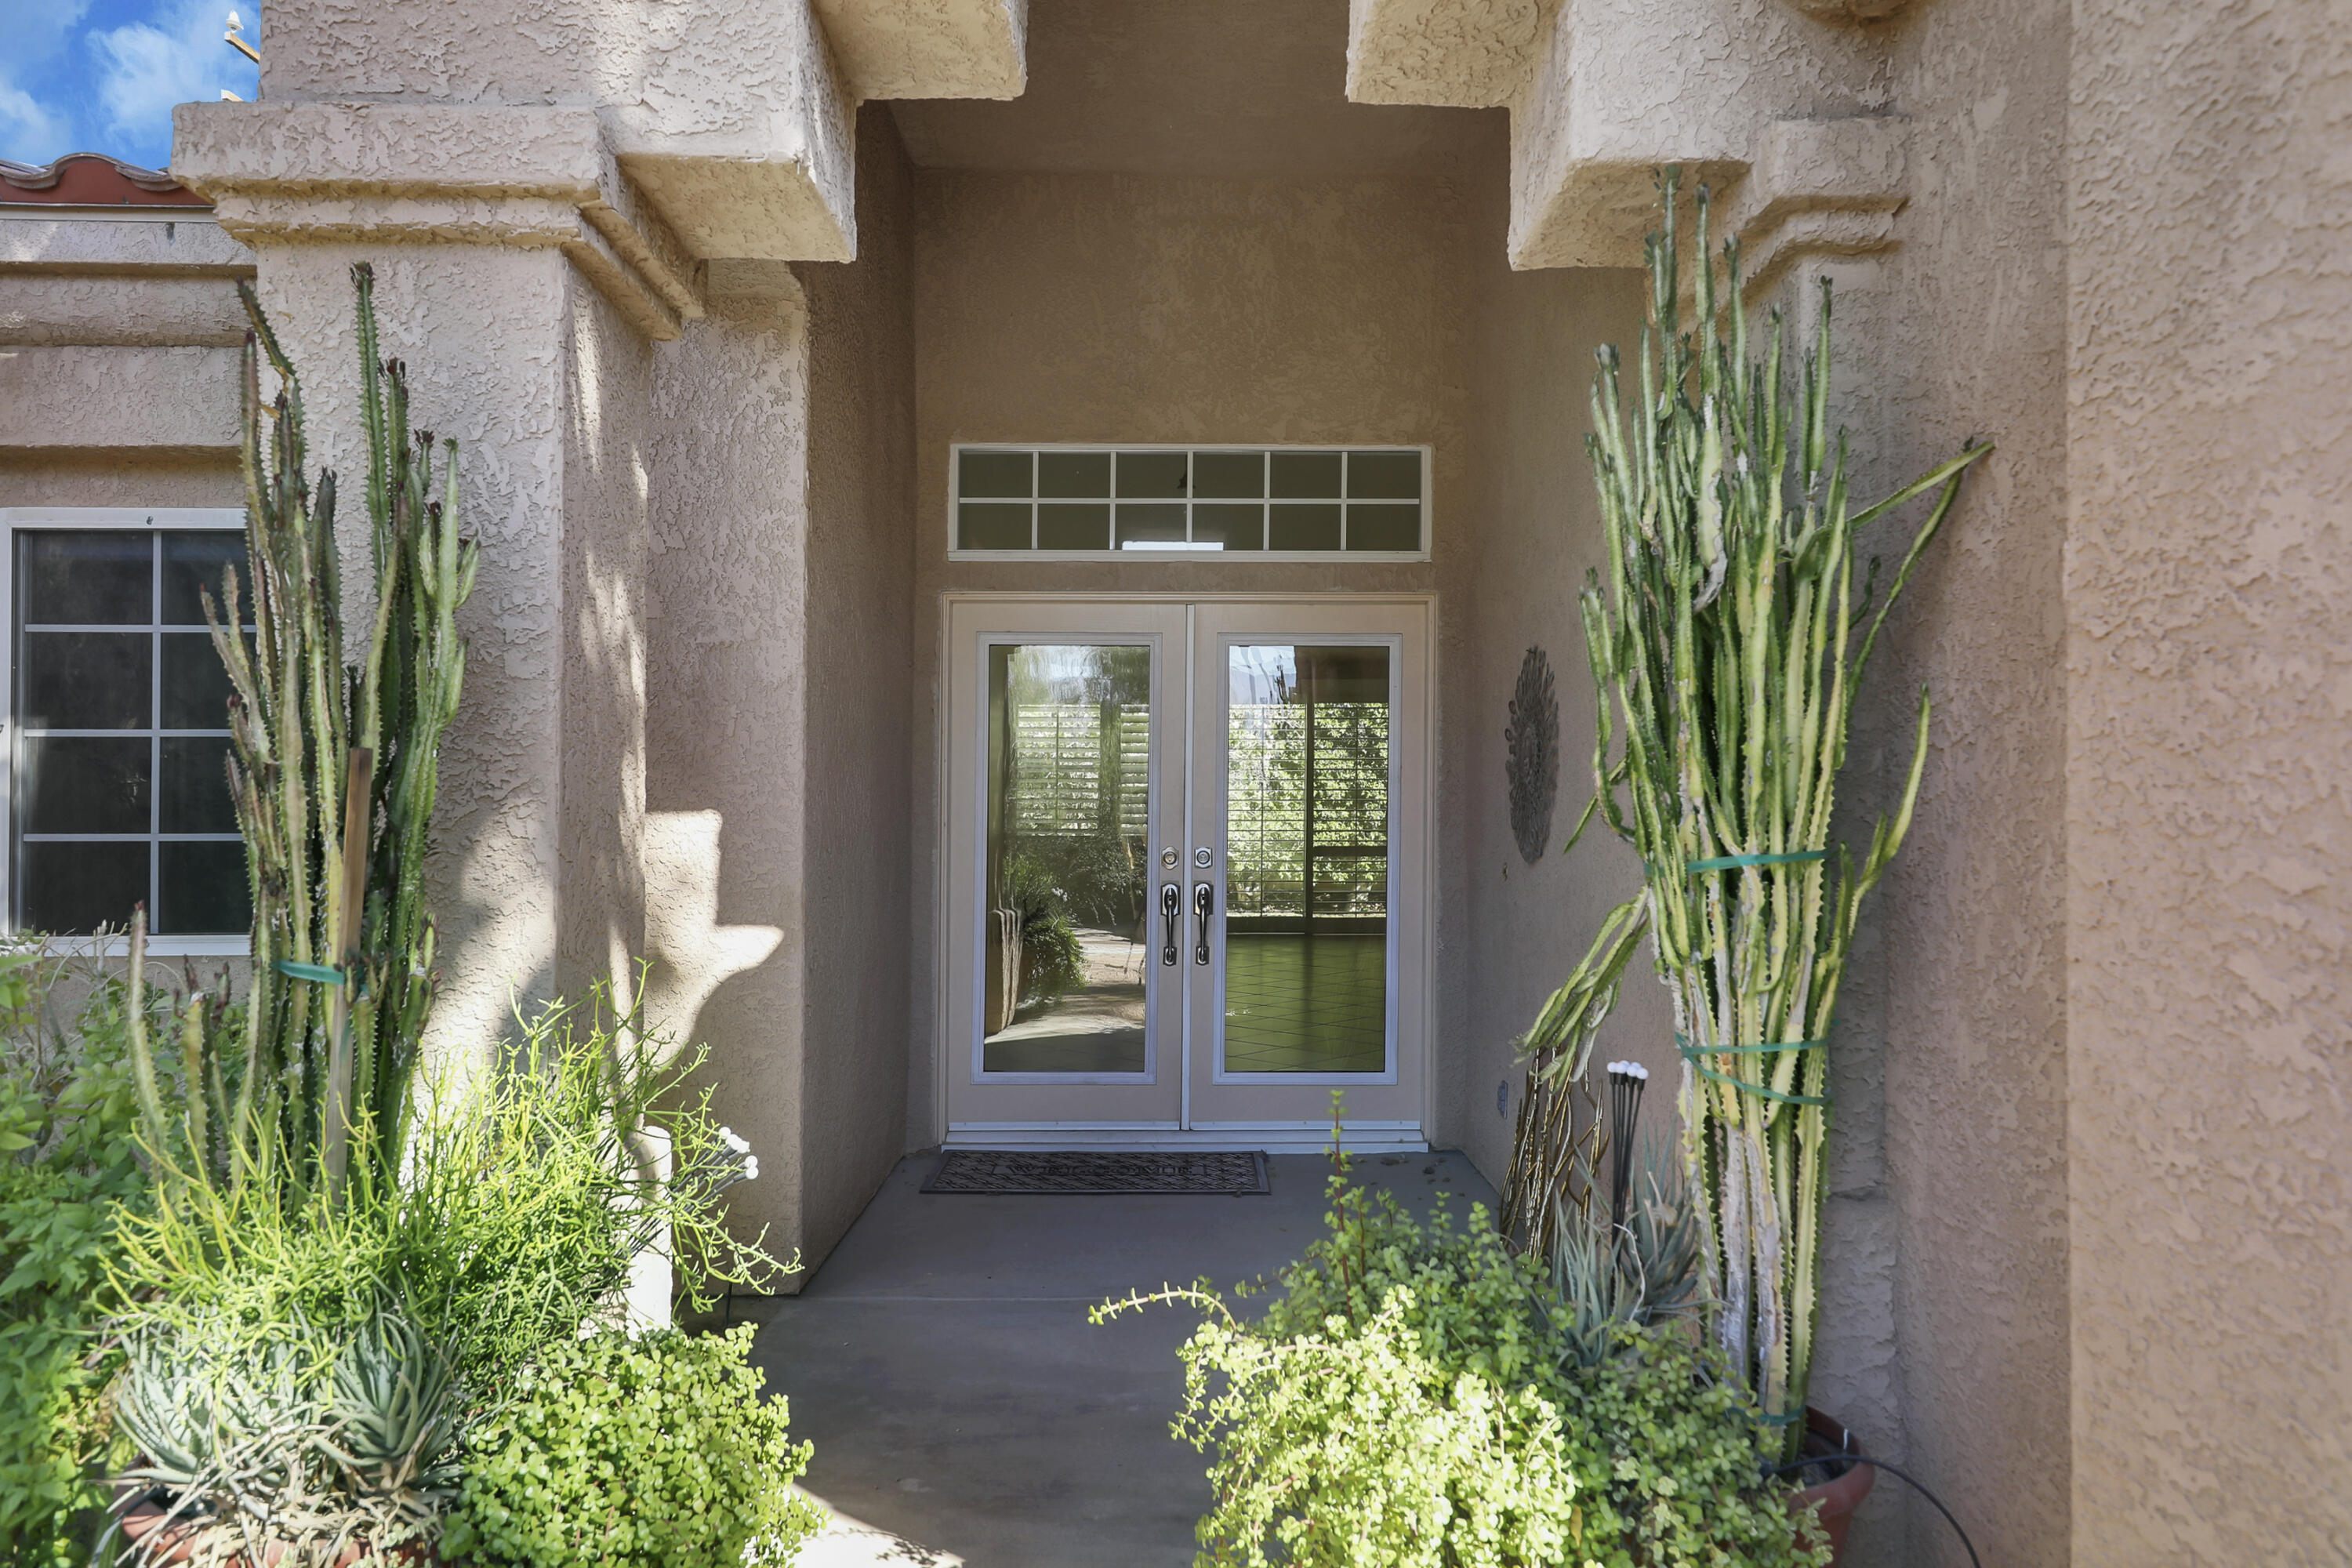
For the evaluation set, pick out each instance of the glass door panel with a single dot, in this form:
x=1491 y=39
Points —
x=1307 y=858
x=1069 y=798
x=1065 y=759
x=1306 y=798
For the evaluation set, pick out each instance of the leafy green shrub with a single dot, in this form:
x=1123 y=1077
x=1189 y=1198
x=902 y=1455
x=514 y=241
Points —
x=67 y=1159
x=1416 y=1397
x=513 y=1232
x=1052 y=959
x=1665 y=1439
x=657 y=1452
x=523 y=1207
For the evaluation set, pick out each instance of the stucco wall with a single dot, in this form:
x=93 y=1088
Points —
x=859 y=810
x=1070 y=307
x=1953 y=1038
x=607 y=391
x=1539 y=531
x=486 y=335
x=1943 y=1331
x=726 y=723
x=2209 y=887
x=82 y=477
x=777 y=785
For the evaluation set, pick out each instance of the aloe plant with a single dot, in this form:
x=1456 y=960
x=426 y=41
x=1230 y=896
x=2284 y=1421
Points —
x=295 y=1449
x=333 y=769
x=1724 y=645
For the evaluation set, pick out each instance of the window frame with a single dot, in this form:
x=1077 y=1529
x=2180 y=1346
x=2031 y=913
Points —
x=46 y=519
x=956 y=449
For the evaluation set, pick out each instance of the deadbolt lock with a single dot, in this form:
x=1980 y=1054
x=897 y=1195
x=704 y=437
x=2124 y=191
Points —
x=1202 y=856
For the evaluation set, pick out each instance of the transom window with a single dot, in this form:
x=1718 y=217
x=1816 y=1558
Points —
x=1260 y=503
x=118 y=762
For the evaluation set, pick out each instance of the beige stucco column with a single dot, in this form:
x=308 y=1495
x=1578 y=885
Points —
x=582 y=233
x=1909 y=155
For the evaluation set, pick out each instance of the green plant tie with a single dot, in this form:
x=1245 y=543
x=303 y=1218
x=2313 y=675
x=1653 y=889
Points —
x=1692 y=1054
x=318 y=972
x=1732 y=862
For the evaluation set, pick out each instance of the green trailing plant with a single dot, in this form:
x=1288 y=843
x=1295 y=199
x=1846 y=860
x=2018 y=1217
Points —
x=1415 y=1395
x=333 y=766
x=654 y=1452
x=1727 y=640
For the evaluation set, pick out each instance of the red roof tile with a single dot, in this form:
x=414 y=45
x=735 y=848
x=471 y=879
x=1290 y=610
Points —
x=92 y=180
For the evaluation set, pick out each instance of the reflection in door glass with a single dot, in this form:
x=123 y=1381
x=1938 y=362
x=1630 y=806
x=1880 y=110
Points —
x=1069 y=771
x=1306 y=859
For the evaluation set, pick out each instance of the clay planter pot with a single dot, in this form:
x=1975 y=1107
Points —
x=1841 y=1495
x=146 y=1517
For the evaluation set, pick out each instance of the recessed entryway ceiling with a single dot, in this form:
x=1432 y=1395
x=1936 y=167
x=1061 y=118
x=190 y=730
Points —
x=1233 y=89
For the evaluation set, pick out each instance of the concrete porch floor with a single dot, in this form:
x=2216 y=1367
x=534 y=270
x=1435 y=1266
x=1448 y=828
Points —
x=965 y=1412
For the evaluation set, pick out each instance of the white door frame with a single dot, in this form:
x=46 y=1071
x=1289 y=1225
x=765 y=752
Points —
x=1417 y=1014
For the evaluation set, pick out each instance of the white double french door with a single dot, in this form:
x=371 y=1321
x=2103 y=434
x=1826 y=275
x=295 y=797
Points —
x=1186 y=873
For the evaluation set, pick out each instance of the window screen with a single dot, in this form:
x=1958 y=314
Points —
x=120 y=755
x=1253 y=502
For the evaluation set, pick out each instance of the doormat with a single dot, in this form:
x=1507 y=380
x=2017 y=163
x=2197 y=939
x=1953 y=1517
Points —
x=1081 y=1174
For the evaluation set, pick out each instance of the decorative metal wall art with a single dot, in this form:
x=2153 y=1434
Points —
x=1533 y=736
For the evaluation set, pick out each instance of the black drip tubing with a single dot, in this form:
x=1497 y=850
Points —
x=1919 y=1486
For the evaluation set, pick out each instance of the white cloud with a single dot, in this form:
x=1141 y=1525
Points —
x=37 y=128
x=147 y=66
x=31 y=132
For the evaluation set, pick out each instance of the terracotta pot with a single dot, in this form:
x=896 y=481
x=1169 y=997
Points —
x=144 y=1518
x=1841 y=1495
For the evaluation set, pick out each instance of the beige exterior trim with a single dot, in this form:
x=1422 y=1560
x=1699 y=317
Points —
x=1468 y=54
x=68 y=394
x=524 y=178
x=929 y=48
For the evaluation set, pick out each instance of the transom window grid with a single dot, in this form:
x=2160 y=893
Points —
x=119 y=742
x=1250 y=503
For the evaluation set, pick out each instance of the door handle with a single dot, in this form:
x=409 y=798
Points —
x=1171 y=901
x=1202 y=897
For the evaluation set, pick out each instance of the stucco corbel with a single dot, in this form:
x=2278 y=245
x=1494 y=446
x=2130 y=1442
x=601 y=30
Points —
x=518 y=177
x=1819 y=187
x=1471 y=54
x=929 y=48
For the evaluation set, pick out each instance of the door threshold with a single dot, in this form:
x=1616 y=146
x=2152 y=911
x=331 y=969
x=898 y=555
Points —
x=1273 y=1137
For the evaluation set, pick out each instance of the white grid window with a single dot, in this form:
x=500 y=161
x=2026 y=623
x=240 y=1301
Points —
x=1255 y=503
x=118 y=756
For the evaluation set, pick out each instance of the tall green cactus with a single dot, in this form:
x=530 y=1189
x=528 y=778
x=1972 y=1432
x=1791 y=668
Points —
x=1724 y=647
x=334 y=764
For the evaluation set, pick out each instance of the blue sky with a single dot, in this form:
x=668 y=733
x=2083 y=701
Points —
x=101 y=76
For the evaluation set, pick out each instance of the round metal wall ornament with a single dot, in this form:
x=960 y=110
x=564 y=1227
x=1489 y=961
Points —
x=1533 y=735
